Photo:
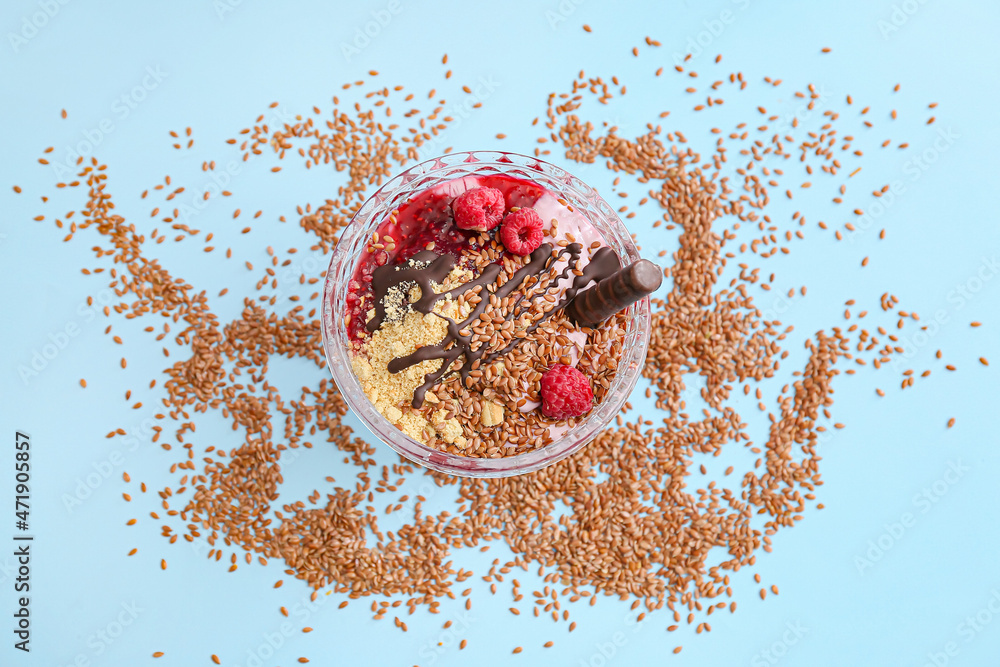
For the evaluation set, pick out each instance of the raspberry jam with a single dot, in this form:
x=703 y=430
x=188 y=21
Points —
x=424 y=219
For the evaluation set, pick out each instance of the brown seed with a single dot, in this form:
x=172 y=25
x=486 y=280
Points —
x=702 y=331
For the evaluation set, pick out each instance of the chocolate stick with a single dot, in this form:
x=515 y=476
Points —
x=616 y=292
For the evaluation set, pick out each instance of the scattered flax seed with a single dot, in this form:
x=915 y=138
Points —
x=163 y=564
x=984 y=361
x=549 y=644
x=83 y=383
x=63 y=113
x=158 y=654
x=462 y=644
x=586 y=28
x=825 y=49
x=216 y=660
x=700 y=326
x=951 y=422
x=975 y=324
x=517 y=650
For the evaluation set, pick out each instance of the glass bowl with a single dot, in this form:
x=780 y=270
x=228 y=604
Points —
x=353 y=241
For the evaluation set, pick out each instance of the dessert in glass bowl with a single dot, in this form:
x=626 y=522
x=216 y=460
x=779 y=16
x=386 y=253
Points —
x=486 y=314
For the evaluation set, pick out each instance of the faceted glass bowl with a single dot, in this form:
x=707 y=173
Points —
x=353 y=242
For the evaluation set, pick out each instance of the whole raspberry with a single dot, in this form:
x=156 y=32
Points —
x=522 y=231
x=478 y=209
x=565 y=393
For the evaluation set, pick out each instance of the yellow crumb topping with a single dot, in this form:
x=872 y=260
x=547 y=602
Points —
x=403 y=332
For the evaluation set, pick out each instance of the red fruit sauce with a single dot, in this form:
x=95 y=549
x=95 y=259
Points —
x=423 y=219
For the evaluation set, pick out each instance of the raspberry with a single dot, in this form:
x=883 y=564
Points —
x=478 y=209
x=522 y=231
x=565 y=393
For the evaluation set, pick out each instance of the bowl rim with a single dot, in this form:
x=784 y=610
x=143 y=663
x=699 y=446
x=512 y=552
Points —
x=338 y=353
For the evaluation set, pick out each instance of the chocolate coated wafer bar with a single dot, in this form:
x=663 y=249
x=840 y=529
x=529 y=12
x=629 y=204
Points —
x=616 y=292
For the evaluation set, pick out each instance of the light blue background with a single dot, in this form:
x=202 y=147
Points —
x=223 y=69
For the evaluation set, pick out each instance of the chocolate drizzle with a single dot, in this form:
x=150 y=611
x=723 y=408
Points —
x=429 y=267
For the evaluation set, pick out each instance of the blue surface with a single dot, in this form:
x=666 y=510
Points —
x=216 y=66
